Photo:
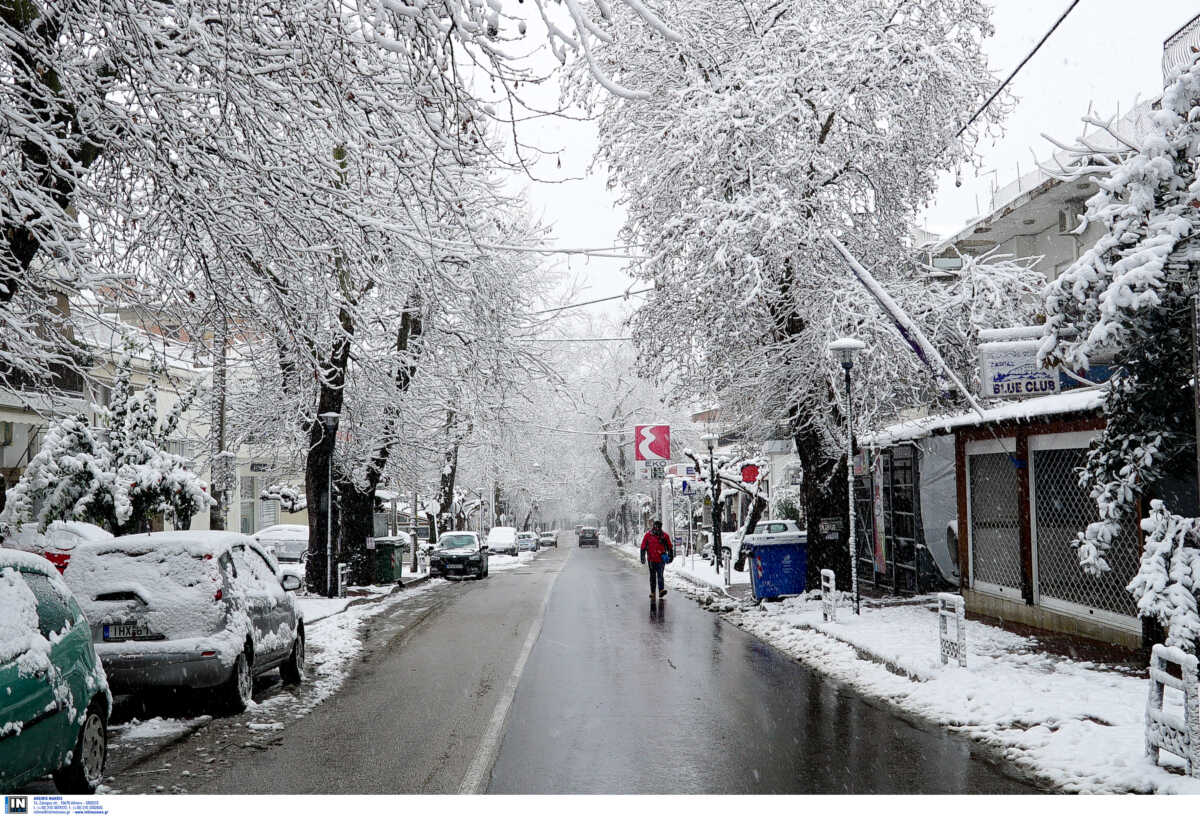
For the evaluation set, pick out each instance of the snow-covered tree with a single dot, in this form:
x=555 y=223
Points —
x=118 y=476
x=769 y=124
x=1130 y=296
x=290 y=497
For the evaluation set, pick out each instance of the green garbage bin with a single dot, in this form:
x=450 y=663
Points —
x=389 y=560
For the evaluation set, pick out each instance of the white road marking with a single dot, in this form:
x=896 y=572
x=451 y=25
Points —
x=477 y=776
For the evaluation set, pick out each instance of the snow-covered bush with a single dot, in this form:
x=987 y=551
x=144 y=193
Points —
x=116 y=477
x=1125 y=297
x=1166 y=582
x=788 y=503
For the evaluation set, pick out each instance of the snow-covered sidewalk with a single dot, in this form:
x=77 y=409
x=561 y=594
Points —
x=1073 y=724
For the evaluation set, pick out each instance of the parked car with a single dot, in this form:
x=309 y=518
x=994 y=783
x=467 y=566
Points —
x=589 y=536
x=502 y=541
x=58 y=541
x=527 y=541
x=289 y=544
x=549 y=539
x=458 y=555
x=54 y=698
x=198 y=610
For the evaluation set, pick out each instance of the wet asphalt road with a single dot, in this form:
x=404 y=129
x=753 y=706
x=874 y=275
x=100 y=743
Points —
x=617 y=696
x=621 y=695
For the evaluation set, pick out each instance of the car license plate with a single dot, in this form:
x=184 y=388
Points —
x=125 y=631
x=454 y=567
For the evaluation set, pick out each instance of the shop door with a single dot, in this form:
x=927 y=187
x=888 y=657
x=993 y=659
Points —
x=1061 y=509
x=994 y=510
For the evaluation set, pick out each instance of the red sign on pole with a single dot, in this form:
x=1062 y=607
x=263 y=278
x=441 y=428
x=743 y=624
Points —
x=749 y=474
x=651 y=442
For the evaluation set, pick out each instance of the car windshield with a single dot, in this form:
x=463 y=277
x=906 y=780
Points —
x=456 y=542
x=287 y=551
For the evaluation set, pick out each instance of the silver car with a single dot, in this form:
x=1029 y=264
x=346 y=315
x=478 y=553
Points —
x=198 y=610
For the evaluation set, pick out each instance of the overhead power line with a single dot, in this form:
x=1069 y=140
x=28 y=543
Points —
x=1017 y=70
x=577 y=339
x=597 y=300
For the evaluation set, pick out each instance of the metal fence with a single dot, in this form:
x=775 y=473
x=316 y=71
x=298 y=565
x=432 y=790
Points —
x=995 y=521
x=1061 y=510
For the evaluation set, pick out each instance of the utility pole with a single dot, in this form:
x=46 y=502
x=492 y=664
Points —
x=412 y=528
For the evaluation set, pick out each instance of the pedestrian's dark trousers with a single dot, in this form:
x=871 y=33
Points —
x=656 y=577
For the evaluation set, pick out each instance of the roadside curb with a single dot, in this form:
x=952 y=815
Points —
x=412 y=582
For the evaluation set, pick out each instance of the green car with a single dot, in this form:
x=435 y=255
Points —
x=54 y=698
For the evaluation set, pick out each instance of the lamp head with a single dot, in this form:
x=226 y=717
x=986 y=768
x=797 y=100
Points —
x=844 y=348
x=329 y=419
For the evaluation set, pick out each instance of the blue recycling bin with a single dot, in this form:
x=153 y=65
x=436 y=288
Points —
x=778 y=569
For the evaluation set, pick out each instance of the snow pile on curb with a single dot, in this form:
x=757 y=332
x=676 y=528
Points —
x=1065 y=722
x=158 y=727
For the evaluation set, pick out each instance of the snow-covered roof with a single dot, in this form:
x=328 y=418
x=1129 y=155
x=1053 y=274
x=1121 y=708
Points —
x=1068 y=402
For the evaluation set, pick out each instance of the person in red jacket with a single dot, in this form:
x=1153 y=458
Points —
x=656 y=551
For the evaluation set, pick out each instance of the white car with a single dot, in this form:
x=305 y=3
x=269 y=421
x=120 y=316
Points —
x=502 y=541
x=189 y=609
x=289 y=544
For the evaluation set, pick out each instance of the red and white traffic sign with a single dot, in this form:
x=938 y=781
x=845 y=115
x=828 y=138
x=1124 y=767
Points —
x=651 y=442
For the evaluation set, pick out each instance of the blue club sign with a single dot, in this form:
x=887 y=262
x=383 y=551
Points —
x=1008 y=367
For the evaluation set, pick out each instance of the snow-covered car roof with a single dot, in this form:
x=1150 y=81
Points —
x=503 y=534
x=283 y=532
x=19 y=634
x=60 y=536
x=197 y=543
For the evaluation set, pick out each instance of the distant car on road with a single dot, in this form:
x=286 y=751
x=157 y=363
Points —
x=589 y=536
x=458 y=555
x=502 y=541
x=55 y=706
x=549 y=539
x=199 y=610
x=527 y=541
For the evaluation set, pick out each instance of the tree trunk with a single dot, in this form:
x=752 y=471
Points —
x=446 y=481
x=824 y=498
x=357 y=511
x=316 y=484
x=218 y=515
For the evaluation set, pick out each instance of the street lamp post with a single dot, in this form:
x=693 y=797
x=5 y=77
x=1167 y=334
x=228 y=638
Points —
x=714 y=490
x=843 y=350
x=330 y=420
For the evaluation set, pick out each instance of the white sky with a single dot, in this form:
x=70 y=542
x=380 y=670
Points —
x=1107 y=52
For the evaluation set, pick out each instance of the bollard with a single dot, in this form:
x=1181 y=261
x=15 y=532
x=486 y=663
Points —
x=728 y=577
x=1167 y=730
x=952 y=607
x=828 y=595
x=343 y=578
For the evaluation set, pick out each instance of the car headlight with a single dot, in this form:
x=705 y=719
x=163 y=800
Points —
x=474 y=558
